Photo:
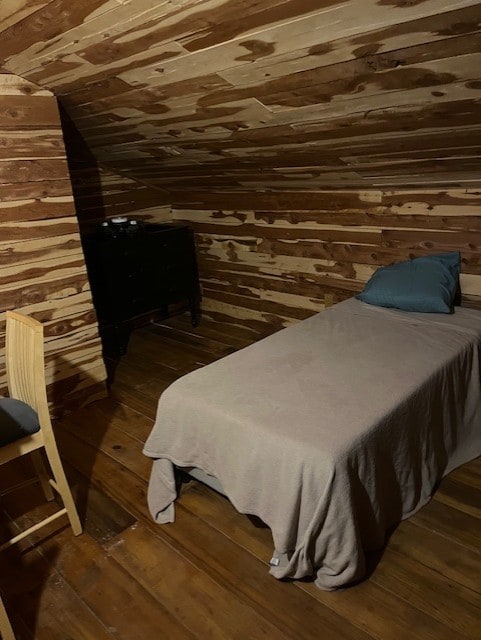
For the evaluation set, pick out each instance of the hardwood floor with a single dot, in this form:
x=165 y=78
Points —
x=206 y=575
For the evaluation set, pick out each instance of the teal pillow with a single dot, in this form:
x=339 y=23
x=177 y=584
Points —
x=17 y=420
x=428 y=284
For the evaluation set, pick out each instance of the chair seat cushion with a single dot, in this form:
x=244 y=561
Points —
x=17 y=420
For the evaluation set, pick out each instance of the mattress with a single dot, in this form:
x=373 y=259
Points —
x=331 y=431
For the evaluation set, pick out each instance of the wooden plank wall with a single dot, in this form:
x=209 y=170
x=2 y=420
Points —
x=42 y=270
x=101 y=194
x=267 y=260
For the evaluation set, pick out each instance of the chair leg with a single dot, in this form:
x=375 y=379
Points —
x=6 y=630
x=63 y=487
x=43 y=474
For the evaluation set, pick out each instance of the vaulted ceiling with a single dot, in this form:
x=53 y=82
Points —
x=262 y=94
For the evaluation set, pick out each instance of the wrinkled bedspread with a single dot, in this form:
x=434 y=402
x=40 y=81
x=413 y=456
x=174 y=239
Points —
x=331 y=431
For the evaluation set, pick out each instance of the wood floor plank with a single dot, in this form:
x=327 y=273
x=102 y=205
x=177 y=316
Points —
x=114 y=442
x=448 y=602
x=15 y=473
x=455 y=525
x=153 y=390
x=141 y=402
x=229 y=334
x=193 y=340
x=118 y=482
x=229 y=562
x=208 y=609
x=448 y=558
x=116 y=597
x=460 y=496
x=59 y=609
x=132 y=383
x=46 y=606
x=469 y=474
x=383 y=614
x=214 y=508
x=139 y=369
x=102 y=517
x=163 y=353
x=395 y=616
x=198 y=346
x=107 y=411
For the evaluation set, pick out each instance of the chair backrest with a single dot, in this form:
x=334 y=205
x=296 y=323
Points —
x=25 y=362
x=26 y=382
x=6 y=631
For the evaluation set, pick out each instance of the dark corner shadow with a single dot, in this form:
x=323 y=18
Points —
x=26 y=567
x=85 y=177
x=80 y=425
x=93 y=206
x=30 y=573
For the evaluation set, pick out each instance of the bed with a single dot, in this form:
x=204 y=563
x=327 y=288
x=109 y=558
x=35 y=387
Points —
x=331 y=431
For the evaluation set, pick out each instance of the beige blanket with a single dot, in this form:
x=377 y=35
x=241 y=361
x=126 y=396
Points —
x=331 y=431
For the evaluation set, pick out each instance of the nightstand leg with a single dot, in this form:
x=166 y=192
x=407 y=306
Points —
x=194 y=313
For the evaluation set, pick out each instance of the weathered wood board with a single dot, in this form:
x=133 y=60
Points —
x=267 y=260
x=42 y=269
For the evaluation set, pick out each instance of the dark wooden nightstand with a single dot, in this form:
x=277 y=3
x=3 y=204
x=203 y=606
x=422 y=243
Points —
x=137 y=270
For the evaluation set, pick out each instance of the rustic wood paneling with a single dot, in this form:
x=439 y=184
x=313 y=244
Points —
x=267 y=260
x=13 y=11
x=42 y=269
x=101 y=194
x=245 y=95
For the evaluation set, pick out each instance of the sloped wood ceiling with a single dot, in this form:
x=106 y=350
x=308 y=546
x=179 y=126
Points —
x=262 y=94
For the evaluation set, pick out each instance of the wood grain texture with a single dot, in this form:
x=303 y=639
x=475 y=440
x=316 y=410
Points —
x=42 y=269
x=294 y=96
x=101 y=194
x=13 y=11
x=267 y=260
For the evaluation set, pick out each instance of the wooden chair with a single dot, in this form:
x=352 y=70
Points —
x=25 y=366
x=6 y=631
